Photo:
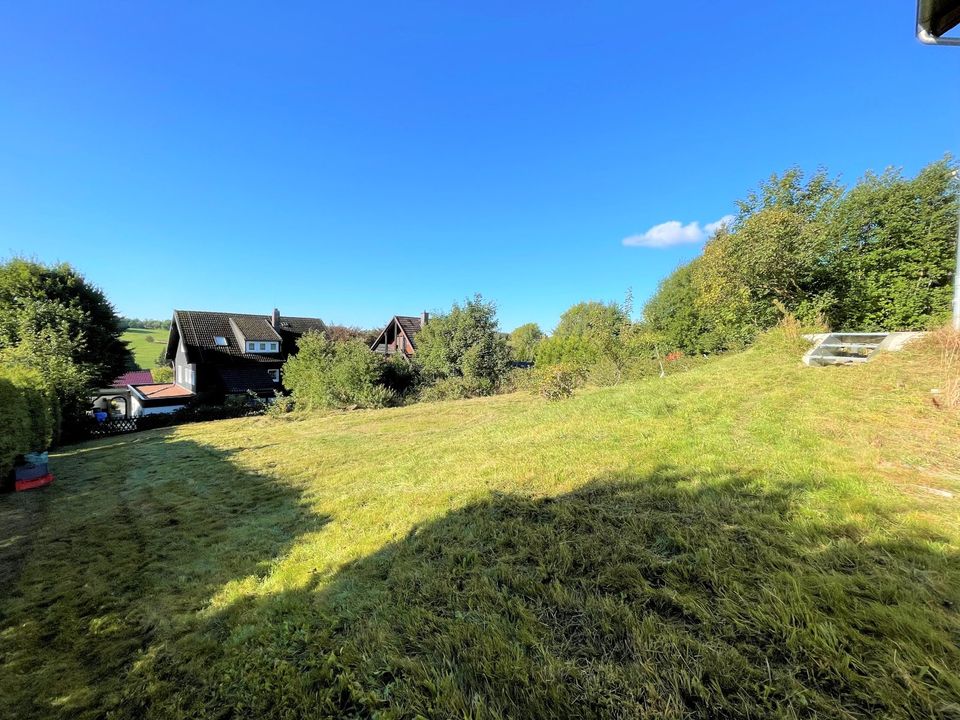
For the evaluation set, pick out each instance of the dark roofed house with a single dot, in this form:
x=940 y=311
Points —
x=216 y=353
x=400 y=335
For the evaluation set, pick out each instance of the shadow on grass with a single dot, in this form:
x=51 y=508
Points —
x=132 y=541
x=669 y=595
x=665 y=596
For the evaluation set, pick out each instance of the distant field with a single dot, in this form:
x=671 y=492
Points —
x=146 y=345
x=749 y=539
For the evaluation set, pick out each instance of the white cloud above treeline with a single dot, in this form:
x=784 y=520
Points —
x=674 y=232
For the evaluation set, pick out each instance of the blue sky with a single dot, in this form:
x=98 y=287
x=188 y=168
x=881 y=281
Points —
x=360 y=160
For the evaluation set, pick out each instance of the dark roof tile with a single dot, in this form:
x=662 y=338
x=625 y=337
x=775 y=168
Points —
x=134 y=377
x=200 y=328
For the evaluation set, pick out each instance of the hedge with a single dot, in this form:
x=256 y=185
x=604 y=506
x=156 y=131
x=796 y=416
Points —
x=28 y=415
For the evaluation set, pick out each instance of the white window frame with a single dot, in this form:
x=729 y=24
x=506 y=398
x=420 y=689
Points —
x=274 y=374
x=219 y=341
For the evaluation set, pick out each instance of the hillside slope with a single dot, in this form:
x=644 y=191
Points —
x=146 y=345
x=750 y=538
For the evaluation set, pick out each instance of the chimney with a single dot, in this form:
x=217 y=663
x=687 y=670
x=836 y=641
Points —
x=424 y=318
x=276 y=319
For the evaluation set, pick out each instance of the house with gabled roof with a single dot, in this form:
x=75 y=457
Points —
x=400 y=335
x=216 y=353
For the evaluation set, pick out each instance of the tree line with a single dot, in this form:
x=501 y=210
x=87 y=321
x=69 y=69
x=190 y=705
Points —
x=126 y=323
x=876 y=256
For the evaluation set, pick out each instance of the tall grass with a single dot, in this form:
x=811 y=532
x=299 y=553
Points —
x=947 y=341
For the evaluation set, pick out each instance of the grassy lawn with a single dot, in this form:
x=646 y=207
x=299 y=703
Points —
x=145 y=351
x=752 y=538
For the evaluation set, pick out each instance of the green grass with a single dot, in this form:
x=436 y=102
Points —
x=751 y=538
x=145 y=351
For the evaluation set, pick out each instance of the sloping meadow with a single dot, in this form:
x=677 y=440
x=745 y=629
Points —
x=750 y=538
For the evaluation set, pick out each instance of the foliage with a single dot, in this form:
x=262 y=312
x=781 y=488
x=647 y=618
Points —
x=558 y=381
x=48 y=351
x=280 y=405
x=400 y=375
x=342 y=333
x=453 y=388
x=895 y=244
x=519 y=379
x=162 y=374
x=752 y=538
x=35 y=297
x=878 y=257
x=464 y=343
x=56 y=323
x=811 y=199
x=327 y=374
x=566 y=350
x=136 y=323
x=599 y=339
x=674 y=314
x=524 y=340
x=595 y=323
x=28 y=414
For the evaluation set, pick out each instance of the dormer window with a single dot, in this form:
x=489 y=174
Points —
x=263 y=347
x=220 y=341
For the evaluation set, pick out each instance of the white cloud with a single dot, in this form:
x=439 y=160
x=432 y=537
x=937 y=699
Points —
x=674 y=232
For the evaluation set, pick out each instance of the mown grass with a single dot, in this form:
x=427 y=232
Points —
x=145 y=352
x=752 y=538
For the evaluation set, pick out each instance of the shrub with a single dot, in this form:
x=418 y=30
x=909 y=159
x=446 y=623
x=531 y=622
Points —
x=28 y=414
x=280 y=405
x=454 y=388
x=400 y=375
x=604 y=373
x=162 y=374
x=569 y=350
x=464 y=343
x=325 y=374
x=556 y=382
x=376 y=396
x=524 y=340
x=519 y=379
x=37 y=298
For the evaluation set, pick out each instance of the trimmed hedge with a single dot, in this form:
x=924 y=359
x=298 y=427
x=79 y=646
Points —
x=28 y=415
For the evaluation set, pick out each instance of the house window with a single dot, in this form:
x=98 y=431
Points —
x=220 y=340
x=274 y=375
x=273 y=347
x=263 y=346
x=251 y=347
